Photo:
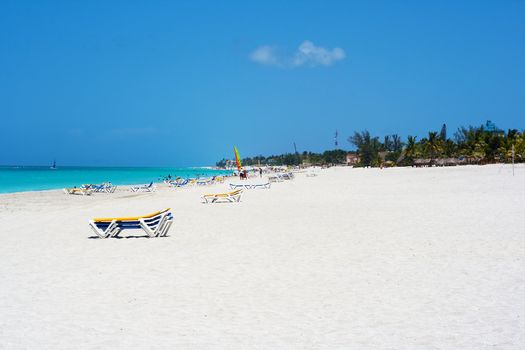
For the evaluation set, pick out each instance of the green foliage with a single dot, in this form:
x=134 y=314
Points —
x=368 y=147
x=483 y=144
x=337 y=156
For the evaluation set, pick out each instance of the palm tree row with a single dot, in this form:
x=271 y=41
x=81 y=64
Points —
x=479 y=145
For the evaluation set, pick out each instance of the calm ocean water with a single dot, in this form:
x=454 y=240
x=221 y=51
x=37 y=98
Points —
x=33 y=178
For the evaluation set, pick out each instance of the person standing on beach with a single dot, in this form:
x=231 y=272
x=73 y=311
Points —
x=260 y=172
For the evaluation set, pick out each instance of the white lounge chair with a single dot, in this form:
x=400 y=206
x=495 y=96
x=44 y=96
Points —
x=105 y=187
x=265 y=186
x=179 y=183
x=275 y=178
x=204 y=182
x=109 y=188
x=249 y=186
x=286 y=176
x=311 y=174
x=144 y=188
x=154 y=225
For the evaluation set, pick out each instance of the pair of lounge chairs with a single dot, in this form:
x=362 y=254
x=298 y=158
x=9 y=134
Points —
x=228 y=197
x=144 y=188
x=80 y=191
x=154 y=225
x=179 y=183
x=274 y=178
x=204 y=182
x=249 y=186
x=281 y=177
x=102 y=188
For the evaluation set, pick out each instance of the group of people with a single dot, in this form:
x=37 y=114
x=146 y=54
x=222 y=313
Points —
x=243 y=174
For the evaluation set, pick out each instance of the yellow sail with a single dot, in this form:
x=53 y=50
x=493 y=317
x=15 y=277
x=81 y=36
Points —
x=237 y=158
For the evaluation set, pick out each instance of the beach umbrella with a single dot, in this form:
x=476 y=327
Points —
x=237 y=158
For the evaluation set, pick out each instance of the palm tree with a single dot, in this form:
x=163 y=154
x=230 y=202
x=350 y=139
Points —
x=433 y=145
x=397 y=144
x=471 y=142
x=367 y=146
x=411 y=148
x=519 y=146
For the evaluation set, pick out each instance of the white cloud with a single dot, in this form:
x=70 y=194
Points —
x=313 y=55
x=265 y=55
x=307 y=54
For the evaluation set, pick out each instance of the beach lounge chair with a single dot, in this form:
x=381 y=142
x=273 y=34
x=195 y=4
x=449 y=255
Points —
x=241 y=186
x=275 y=178
x=105 y=187
x=98 y=188
x=204 y=182
x=311 y=173
x=179 y=183
x=109 y=188
x=234 y=196
x=81 y=191
x=144 y=188
x=154 y=225
x=249 y=186
x=265 y=186
x=286 y=176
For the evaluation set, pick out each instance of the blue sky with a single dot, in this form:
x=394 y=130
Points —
x=178 y=83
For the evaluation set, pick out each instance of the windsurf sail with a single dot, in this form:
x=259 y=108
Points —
x=237 y=158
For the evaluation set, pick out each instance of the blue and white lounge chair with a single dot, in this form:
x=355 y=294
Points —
x=275 y=178
x=179 y=183
x=105 y=187
x=154 y=225
x=109 y=188
x=144 y=188
x=204 y=182
x=287 y=176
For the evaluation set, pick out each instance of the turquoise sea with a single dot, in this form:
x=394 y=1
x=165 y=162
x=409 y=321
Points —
x=35 y=178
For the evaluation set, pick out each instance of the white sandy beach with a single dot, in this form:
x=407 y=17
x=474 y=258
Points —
x=400 y=258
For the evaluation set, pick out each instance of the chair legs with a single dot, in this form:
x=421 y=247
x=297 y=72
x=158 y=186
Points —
x=159 y=229
x=111 y=231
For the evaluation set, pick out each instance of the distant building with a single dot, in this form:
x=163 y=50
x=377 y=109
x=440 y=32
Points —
x=492 y=128
x=352 y=158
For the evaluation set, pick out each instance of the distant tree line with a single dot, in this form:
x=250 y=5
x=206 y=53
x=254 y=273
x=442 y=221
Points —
x=472 y=145
x=469 y=145
x=337 y=156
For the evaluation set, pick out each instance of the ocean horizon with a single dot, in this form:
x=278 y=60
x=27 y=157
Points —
x=15 y=178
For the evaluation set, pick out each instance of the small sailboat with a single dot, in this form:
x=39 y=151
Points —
x=54 y=166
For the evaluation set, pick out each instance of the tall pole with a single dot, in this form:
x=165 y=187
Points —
x=296 y=154
x=512 y=160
